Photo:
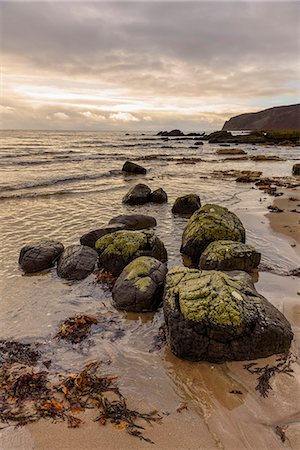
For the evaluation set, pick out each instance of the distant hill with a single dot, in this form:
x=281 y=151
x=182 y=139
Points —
x=277 y=118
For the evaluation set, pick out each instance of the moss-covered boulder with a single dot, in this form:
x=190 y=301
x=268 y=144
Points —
x=140 y=286
x=39 y=256
x=118 y=249
x=209 y=223
x=229 y=255
x=186 y=205
x=76 y=262
x=217 y=317
x=137 y=195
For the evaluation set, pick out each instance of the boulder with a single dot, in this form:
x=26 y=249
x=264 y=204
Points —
x=133 y=221
x=137 y=195
x=296 y=169
x=132 y=167
x=140 y=286
x=118 y=249
x=76 y=262
x=186 y=205
x=158 y=196
x=217 y=317
x=170 y=133
x=40 y=256
x=209 y=223
x=89 y=239
x=231 y=151
x=229 y=255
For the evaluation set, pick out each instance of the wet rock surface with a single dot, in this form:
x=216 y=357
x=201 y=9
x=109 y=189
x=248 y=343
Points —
x=134 y=221
x=89 y=239
x=217 y=317
x=40 y=256
x=158 y=196
x=118 y=249
x=186 y=205
x=76 y=262
x=231 y=151
x=229 y=255
x=208 y=224
x=137 y=195
x=296 y=169
x=140 y=286
x=131 y=167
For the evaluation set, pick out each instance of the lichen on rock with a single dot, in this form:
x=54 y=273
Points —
x=217 y=316
x=207 y=224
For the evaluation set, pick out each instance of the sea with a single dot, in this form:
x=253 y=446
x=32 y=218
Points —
x=62 y=184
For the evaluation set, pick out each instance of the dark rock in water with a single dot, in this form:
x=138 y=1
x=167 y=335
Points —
x=76 y=262
x=231 y=151
x=186 y=205
x=229 y=255
x=208 y=224
x=131 y=167
x=217 y=317
x=158 y=196
x=118 y=249
x=133 y=221
x=218 y=137
x=296 y=169
x=140 y=286
x=40 y=256
x=266 y=158
x=137 y=195
x=89 y=239
x=199 y=143
x=170 y=133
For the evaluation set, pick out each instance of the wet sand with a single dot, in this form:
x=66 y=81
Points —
x=288 y=221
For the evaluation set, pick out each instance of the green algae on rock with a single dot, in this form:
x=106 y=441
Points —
x=229 y=255
x=207 y=224
x=216 y=316
x=118 y=249
x=140 y=286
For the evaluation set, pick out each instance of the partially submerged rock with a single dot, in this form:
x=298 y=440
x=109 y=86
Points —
x=266 y=158
x=170 y=133
x=40 y=256
x=186 y=205
x=217 y=317
x=296 y=169
x=133 y=221
x=131 y=167
x=140 y=286
x=137 y=195
x=231 y=151
x=118 y=249
x=209 y=223
x=89 y=239
x=229 y=255
x=76 y=262
x=158 y=196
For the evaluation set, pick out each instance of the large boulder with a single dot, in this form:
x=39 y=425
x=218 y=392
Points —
x=209 y=223
x=40 y=256
x=131 y=167
x=217 y=317
x=229 y=255
x=296 y=169
x=186 y=205
x=76 y=262
x=140 y=286
x=133 y=221
x=158 y=196
x=118 y=249
x=89 y=239
x=137 y=195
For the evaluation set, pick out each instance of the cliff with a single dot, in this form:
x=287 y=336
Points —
x=277 y=118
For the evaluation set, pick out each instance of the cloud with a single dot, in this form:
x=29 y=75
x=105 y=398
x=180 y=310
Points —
x=124 y=117
x=115 y=62
x=61 y=115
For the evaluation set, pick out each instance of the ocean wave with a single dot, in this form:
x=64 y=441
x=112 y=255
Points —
x=55 y=181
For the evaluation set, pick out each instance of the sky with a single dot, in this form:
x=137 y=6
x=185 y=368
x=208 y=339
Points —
x=146 y=65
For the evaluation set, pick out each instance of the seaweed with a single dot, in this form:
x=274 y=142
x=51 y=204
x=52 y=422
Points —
x=27 y=396
x=264 y=374
x=17 y=352
x=76 y=328
x=106 y=278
